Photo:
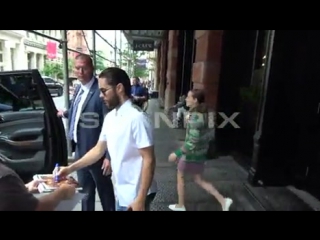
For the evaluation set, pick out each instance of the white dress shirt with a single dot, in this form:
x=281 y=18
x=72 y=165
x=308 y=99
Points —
x=85 y=88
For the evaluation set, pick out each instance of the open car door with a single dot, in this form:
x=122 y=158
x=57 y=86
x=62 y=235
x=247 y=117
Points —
x=32 y=137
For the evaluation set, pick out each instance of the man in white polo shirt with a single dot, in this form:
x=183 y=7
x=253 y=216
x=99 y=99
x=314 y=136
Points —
x=127 y=133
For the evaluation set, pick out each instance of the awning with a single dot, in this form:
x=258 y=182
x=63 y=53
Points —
x=144 y=36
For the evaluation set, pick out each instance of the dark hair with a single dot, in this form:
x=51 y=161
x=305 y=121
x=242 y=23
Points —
x=137 y=79
x=115 y=76
x=200 y=96
x=85 y=57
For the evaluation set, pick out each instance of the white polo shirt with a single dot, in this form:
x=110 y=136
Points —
x=126 y=130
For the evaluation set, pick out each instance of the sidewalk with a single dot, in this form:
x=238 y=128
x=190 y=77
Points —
x=226 y=174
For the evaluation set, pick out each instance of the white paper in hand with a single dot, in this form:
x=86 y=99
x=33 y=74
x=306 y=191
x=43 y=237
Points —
x=69 y=205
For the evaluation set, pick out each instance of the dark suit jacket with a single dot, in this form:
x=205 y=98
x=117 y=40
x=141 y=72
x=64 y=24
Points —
x=90 y=123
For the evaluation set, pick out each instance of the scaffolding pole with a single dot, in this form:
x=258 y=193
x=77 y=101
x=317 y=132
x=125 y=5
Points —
x=120 y=53
x=55 y=39
x=94 y=48
x=105 y=40
x=44 y=35
x=133 y=61
x=92 y=54
x=64 y=44
x=115 y=48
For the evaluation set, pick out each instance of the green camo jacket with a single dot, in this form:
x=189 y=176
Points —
x=196 y=143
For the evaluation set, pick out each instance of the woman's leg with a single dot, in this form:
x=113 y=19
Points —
x=180 y=188
x=225 y=202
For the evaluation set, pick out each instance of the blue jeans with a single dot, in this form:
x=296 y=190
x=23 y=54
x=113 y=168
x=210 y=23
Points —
x=149 y=200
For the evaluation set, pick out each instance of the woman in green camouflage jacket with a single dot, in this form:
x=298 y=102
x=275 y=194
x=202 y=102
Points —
x=192 y=155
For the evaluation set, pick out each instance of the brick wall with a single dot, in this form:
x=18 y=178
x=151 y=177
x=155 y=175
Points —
x=172 y=59
x=206 y=69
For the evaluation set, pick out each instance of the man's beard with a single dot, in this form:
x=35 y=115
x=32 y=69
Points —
x=113 y=103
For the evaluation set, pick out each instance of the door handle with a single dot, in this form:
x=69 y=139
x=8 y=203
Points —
x=26 y=143
x=318 y=110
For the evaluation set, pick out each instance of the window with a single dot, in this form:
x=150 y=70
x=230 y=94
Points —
x=19 y=93
x=48 y=80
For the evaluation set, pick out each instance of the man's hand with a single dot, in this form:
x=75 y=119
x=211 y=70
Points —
x=173 y=157
x=137 y=205
x=67 y=190
x=60 y=113
x=33 y=186
x=106 y=167
x=64 y=171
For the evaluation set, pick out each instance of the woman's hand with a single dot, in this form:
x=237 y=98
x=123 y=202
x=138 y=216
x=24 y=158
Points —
x=173 y=157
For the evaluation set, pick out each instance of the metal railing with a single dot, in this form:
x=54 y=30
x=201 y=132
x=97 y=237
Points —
x=63 y=44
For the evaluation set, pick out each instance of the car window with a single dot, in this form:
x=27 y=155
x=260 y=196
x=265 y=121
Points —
x=48 y=80
x=19 y=93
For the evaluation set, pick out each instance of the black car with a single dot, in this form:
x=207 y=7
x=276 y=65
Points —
x=32 y=137
x=54 y=86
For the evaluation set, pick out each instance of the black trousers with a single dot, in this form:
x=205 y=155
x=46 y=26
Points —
x=91 y=178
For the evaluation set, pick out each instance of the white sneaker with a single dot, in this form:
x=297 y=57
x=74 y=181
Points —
x=227 y=204
x=174 y=207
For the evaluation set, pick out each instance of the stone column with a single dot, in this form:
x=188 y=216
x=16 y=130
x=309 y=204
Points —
x=41 y=62
x=7 y=64
x=33 y=61
x=171 y=74
x=206 y=69
x=20 y=57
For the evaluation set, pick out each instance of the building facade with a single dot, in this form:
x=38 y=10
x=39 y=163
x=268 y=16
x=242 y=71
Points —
x=77 y=40
x=20 y=49
x=36 y=48
x=12 y=50
x=24 y=50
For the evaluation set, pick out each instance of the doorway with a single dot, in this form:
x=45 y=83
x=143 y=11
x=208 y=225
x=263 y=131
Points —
x=184 y=62
x=290 y=147
x=237 y=61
